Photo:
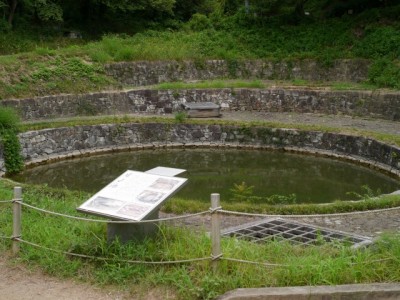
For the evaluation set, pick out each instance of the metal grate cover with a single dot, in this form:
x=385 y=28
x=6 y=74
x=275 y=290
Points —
x=299 y=233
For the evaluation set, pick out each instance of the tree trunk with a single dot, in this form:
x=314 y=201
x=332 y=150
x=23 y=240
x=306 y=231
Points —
x=247 y=6
x=13 y=6
x=299 y=8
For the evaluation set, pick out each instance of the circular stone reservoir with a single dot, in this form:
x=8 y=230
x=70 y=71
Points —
x=313 y=179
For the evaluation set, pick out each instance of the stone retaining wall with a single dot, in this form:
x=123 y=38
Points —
x=64 y=142
x=153 y=72
x=384 y=105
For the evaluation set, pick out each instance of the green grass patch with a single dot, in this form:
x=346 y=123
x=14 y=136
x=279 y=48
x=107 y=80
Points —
x=38 y=66
x=325 y=263
x=45 y=72
x=211 y=84
x=180 y=206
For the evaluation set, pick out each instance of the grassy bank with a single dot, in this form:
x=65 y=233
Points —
x=52 y=66
x=321 y=264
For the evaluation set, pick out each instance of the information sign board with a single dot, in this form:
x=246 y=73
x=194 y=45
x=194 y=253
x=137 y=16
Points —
x=165 y=171
x=132 y=196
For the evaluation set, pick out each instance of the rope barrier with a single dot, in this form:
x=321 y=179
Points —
x=109 y=221
x=283 y=265
x=3 y=237
x=6 y=201
x=373 y=261
x=213 y=210
x=183 y=261
x=253 y=262
x=216 y=257
x=309 y=216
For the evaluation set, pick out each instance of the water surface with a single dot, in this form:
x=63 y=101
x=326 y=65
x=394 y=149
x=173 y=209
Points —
x=311 y=178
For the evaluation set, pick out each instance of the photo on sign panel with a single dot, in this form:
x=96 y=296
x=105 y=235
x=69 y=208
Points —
x=133 y=210
x=150 y=197
x=164 y=184
x=105 y=203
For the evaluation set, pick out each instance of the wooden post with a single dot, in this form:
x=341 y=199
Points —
x=215 y=231
x=16 y=218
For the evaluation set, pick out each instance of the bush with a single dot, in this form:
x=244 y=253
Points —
x=380 y=42
x=11 y=147
x=385 y=73
x=199 y=22
x=8 y=118
x=12 y=151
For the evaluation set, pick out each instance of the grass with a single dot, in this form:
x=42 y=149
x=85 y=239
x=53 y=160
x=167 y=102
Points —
x=211 y=84
x=178 y=205
x=315 y=265
x=42 y=70
x=52 y=66
x=265 y=84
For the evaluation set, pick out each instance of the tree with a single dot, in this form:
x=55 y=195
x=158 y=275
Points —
x=9 y=7
x=137 y=5
x=44 y=10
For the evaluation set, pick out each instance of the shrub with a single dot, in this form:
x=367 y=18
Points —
x=8 y=118
x=12 y=151
x=385 y=73
x=199 y=22
x=380 y=42
x=11 y=147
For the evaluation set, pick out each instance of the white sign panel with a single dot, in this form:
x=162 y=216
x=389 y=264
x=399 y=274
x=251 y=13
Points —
x=165 y=171
x=132 y=196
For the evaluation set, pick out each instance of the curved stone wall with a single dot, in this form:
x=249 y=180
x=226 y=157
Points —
x=385 y=105
x=59 y=143
x=141 y=73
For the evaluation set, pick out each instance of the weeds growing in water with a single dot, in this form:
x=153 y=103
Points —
x=368 y=193
x=242 y=190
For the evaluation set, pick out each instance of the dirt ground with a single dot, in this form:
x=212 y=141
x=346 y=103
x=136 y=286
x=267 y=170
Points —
x=19 y=283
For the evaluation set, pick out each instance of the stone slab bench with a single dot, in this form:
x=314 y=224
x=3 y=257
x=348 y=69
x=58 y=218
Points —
x=202 y=109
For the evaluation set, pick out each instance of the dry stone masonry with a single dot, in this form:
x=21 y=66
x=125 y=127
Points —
x=153 y=72
x=385 y=105
x=58 y=143
x=66 y=142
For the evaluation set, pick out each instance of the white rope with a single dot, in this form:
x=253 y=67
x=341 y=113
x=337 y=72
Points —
x=216 y=257
x=109 y=221
x=6 y=201
x=373 y=261
x=283 y=265
x=253 y=262
x=183 y=261
x=5 y=237
x=213 y=210
x=309 y=216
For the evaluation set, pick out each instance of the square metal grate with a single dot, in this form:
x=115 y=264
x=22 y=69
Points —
x=299 y=233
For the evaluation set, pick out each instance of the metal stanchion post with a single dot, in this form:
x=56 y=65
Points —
x=16 y=219
x=215 y=231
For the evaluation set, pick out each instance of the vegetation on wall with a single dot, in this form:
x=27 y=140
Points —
x=10 y=143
